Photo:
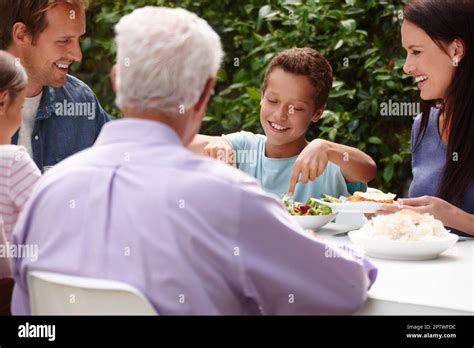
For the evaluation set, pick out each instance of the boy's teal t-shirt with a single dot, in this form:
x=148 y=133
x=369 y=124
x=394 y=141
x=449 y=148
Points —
x=274 y=173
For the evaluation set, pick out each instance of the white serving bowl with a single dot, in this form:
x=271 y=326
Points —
x=402 y=250
x=314 y=222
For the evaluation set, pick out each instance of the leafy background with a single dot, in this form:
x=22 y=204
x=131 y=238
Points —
x=360 y=38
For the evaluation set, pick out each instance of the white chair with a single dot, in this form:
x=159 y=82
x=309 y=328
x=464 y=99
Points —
x=60 y=294
x=5 y=270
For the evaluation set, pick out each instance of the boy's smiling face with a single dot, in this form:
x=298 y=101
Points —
x=287 y=110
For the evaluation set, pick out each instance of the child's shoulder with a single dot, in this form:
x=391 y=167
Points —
x=15 y=156
x=245 y=139
x=11 y=151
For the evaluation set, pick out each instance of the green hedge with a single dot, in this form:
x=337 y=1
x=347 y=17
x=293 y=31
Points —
x=361 y=39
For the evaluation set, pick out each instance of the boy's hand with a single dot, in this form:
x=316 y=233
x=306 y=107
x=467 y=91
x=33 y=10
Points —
x=220 y=148
x=311 y=163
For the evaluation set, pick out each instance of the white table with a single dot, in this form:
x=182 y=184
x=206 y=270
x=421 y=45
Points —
x=444 y=286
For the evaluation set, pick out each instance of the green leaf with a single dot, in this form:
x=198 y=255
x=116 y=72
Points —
x=291 y=2
x=329 y=114
x=86 y=43
x=374 y=140
x=249 y=123
x=371 y=61
x=354 y=11
x=397 y=158
x=222 y=75
x=338 y=45
x=270 y=28
x=253 y=93
x=337 y=84
x=391 y=84
x=349 y=24
x=388 y=172
x=369 y=52
x=264 y=11
x=257 y=37
x=341 y=93
x=383 y=77
x=256 y=50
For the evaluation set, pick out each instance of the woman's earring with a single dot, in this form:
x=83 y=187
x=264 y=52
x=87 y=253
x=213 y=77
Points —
x=455 y=61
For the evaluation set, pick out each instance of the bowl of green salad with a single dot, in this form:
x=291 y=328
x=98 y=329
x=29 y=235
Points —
x=311 y=215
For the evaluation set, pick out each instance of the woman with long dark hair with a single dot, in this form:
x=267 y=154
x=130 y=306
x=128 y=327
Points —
x=439 y=39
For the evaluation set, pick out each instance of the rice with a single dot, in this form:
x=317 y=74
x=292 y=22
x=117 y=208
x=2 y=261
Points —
x=405 y=225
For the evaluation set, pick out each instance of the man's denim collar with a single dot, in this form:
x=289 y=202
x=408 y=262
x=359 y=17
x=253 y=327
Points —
x=46 y=107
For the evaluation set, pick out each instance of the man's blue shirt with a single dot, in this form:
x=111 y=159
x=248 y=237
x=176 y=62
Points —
x=68 y=120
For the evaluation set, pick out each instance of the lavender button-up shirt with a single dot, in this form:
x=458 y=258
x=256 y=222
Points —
x=196 y=236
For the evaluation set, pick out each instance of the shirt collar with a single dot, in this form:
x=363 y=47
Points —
x=137 y=130
x=46 y=107
x=276 y=162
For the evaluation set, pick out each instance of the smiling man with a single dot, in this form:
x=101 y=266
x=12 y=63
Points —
x=61 y=114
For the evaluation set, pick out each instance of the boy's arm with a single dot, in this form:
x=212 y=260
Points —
x=199 y=143
x=213 y=146
x=355 y=165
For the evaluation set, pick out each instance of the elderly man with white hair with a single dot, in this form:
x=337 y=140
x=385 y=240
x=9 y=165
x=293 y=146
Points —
x=194 y=235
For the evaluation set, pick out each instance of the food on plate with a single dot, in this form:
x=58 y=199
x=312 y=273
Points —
x=311 y=207
x=378 y=197
x=330 y=199
x=405 y=225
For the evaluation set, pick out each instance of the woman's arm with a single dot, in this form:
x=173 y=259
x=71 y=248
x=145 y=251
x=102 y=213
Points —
x=462 y=221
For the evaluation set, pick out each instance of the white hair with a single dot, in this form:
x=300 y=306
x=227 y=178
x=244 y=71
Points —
x=164 y=58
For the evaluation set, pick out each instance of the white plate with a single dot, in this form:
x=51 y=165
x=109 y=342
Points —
x=314 y=222
x=402 y=250
x=353 y=207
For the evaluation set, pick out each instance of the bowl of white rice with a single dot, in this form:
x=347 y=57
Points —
x=404 y=235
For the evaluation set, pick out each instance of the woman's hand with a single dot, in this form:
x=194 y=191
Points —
x=435 y=206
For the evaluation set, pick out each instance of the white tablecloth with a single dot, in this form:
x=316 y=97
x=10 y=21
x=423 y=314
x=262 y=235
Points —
x=440 y=287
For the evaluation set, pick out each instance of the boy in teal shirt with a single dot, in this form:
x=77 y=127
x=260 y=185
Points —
x=294 y=93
